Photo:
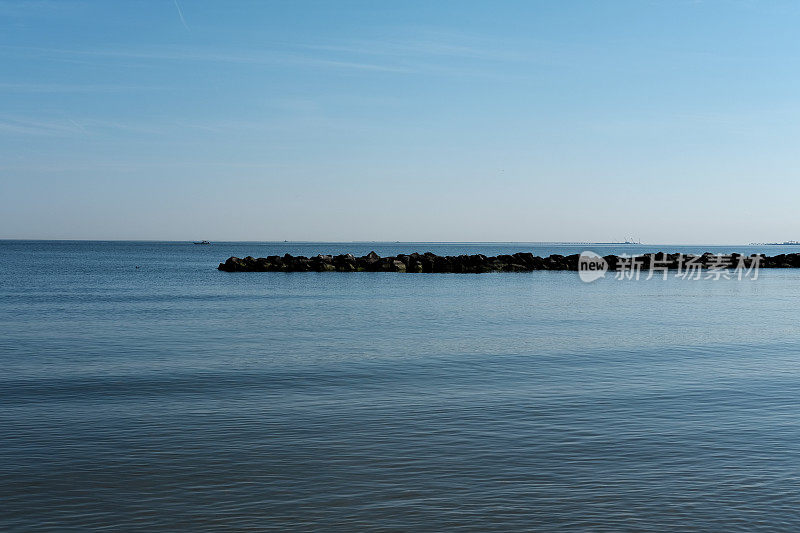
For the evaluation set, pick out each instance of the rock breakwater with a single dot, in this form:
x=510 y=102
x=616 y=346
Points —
x=479 y=263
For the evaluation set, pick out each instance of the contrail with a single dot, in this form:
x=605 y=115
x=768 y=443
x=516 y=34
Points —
x=180 y=14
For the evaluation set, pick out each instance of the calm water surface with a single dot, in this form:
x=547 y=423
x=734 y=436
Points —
x=174 y=396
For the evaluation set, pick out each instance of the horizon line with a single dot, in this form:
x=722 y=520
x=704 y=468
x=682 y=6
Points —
x=565 y=243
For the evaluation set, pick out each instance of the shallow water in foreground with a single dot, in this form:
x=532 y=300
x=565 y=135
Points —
x=176 y=396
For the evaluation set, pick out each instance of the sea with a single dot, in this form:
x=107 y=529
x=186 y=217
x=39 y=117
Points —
x=141 y=389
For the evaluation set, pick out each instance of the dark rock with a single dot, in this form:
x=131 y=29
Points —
x=479 y=263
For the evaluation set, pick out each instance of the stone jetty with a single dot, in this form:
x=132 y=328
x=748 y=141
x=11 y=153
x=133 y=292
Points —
x=478 y=263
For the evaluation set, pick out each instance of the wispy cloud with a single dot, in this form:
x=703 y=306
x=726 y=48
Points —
x=25 y=8
x=19 y=126
x=68 y=126
x=419 y=52
x=430 y=44
x=415 y=52
x=69 y=88
x=266 y=57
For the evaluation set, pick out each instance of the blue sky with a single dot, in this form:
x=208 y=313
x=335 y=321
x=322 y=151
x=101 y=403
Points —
x=672 y=121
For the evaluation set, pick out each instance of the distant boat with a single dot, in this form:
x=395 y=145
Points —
x=202 y=242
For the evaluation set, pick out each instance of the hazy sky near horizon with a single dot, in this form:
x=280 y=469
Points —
x=670 y=121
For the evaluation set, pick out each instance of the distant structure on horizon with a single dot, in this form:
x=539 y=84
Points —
x=784 y=243
x=628 y=240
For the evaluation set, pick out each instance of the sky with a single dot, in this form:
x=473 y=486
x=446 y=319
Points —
x=670 y=121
